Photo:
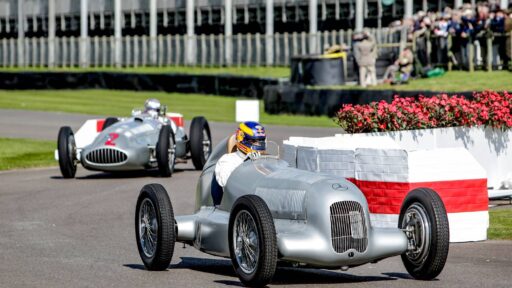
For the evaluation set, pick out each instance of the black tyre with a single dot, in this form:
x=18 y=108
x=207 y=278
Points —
x=109 y=122
x=200 y=142
x=423 y=217
x=155 y=227
x=165 y=151
x=253 y=249
x=67 y=152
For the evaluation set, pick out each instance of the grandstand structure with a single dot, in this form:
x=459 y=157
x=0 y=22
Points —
x=192 y=32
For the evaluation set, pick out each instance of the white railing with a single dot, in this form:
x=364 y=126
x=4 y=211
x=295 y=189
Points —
x=247 y=49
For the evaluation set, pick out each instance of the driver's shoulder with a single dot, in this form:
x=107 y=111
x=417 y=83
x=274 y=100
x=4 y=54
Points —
x=229 y=157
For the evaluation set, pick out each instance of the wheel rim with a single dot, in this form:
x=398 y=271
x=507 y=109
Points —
x=148 y=227
x=72 y=150
x=245 y=239
x=418 y=231
x=172 y=153
x=207 y=144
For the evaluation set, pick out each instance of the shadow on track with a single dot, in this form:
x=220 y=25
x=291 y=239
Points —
x=124 y=174
x=283 y=275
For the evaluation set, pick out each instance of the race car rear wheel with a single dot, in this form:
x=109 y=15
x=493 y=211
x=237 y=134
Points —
x=425 y=222
x=109 y=122
x=200 y=141
x=155 y=227
x=66 y=147
x=252 y=241
x=165 y=151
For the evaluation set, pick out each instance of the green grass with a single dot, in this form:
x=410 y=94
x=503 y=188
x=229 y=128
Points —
x=25 y=153
x=259 y=71
x=121 y=103
x=455 y=81
x=500 y=224
x=460 y=81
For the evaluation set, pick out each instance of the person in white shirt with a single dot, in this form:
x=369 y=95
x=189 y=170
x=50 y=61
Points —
x=250 y=138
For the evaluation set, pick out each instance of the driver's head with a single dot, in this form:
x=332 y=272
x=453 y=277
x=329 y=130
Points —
x=250 y=137
x=152 y=106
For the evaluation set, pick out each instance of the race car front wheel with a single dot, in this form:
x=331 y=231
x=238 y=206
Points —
x=154 y=227
x=165 y=151
x=423 y=219
x=200 y=141
x=67 y=152
x=252 y=241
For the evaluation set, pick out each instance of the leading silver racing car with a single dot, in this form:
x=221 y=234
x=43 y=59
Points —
x=269 y=212
x=143 y=141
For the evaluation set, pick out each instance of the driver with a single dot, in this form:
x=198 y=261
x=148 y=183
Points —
x=152 y=107
x=250 y=138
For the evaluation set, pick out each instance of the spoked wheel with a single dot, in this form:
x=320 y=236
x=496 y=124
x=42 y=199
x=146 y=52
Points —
x=252 y=241
x=166 y=151
x=200 y=142
x=66 y=147
x=424 y=220
x=154 y=227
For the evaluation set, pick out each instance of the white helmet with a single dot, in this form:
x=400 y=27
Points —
x=152 y=105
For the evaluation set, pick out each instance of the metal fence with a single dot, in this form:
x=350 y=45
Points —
x=210 y=50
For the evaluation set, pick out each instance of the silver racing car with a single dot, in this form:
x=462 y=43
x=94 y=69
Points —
x=270 y=213
x=143 y=141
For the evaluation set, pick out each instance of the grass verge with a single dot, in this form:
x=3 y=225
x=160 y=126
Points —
x=26 y=153
x=120 y=103
x=455 y=81
x=258 y=71
x=500 y=224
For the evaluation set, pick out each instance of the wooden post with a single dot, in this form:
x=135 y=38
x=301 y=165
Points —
x=136 y=54
x=203 y=50
x=489 y=54
x=258 y=49
x=169 y=50
x=286 y=49
x=248 y=45
x=449 y=51
x=277 y=48
x=471 y=56
x=239 y=50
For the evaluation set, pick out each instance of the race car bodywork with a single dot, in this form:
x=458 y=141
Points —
x=270 y=212
x=136 y=143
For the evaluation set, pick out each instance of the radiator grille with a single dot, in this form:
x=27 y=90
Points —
x=348 y=227
x=106 y=156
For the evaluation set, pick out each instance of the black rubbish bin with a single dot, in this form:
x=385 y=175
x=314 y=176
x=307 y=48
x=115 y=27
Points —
x=318 y=70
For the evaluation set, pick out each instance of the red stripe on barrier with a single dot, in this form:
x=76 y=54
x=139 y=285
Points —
x=99 y=125
x=457 y=195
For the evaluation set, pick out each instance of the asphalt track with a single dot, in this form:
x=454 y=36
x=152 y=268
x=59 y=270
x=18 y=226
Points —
x=80 y=232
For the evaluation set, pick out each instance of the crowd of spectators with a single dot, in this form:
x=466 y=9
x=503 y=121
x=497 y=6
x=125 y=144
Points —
x=466 y=25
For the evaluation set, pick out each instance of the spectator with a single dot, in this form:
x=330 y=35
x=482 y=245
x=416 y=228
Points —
x=466 y=25
x=508 y=29
x=400 y=71
x=365 y=53
x=497 y=26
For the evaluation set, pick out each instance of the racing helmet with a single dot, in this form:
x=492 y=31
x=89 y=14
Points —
x=152 y=106
x=250 y=137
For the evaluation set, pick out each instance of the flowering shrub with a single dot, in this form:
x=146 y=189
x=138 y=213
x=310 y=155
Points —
x=487 y=108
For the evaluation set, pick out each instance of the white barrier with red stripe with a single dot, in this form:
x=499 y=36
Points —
x=385 y=173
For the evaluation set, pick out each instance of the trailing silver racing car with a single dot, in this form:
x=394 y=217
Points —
x=143 y=141
x=269 y=212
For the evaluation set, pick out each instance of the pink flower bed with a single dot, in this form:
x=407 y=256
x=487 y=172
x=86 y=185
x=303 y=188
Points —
x=487 y=108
